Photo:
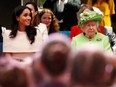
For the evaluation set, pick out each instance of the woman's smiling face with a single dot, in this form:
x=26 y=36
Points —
x=46 y=19
x=25 y=18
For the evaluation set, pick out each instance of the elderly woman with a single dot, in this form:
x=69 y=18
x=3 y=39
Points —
x=89 y=23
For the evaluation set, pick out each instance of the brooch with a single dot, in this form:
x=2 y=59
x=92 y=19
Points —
x=99 y=39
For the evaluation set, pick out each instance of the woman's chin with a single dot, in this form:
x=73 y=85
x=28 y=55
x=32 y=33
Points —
x=91 y=35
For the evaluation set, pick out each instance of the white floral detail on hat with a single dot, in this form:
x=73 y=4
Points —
x=89 y=16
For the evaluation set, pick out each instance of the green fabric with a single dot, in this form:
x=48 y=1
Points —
x=100 y=40
x=41 y=2
x=89 y=16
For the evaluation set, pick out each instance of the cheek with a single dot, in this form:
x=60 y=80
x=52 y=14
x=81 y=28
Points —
x=42 y=20
x=21 y=20
x=96 y=28
x=50 y=21
x=84 y=29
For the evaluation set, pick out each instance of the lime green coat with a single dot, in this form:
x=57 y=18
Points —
x=100 y=40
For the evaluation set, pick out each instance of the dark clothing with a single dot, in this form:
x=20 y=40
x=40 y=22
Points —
x=69 y=14
x=1 y=40
x=52 y=84
x=114 y=15
x=113 y=18
x=49 y=4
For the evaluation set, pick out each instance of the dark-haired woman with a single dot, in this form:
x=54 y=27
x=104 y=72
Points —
x=23 y=39
x=36 y=20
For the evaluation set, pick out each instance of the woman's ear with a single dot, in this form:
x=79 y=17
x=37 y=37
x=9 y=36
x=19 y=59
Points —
x=17 y=18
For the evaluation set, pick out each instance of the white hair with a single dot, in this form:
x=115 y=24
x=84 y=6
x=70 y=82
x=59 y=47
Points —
x=97 y=24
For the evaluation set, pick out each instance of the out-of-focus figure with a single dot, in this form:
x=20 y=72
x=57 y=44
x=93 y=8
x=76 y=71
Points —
x=49 y=19
x=107 y=7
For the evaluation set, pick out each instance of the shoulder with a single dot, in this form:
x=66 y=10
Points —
x=6 y=36
x=41 y=27
x=102 y=35
x=7 y=31
x=78 y=36
x=76 y=28
x=3 y=29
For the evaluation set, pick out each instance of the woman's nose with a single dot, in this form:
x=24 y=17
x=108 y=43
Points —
x=29 y=18
x=90 y=26
x=47 y=20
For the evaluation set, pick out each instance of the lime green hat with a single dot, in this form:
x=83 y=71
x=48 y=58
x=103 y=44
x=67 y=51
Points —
x=89 y=16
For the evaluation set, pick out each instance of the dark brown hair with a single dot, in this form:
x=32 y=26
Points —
x=12 y=75
x=89 y=68
x=36 y=19
x=30 y=30
x=55 y=57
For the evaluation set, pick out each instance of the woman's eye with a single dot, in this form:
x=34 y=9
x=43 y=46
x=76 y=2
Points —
x=25 y=15
x=49 y=18
x=88 y=25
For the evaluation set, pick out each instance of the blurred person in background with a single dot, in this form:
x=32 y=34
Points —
x=113 y=19
x=107 y=7
x=91 y=67
x=49 y=4
x=1 y=40
x=54 y=61
x=36 y=20
x=12 y=74
x=47 y=17
x=61 y=8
